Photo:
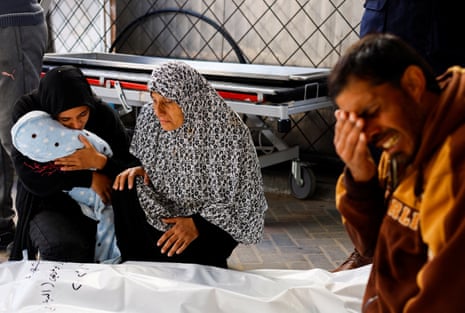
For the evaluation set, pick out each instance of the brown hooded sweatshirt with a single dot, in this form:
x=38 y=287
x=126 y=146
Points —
x=416 y=228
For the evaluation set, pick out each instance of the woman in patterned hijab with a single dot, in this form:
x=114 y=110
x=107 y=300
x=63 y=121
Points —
x=201 y=192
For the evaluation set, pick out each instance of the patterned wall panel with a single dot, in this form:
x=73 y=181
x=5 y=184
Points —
x=282 y=32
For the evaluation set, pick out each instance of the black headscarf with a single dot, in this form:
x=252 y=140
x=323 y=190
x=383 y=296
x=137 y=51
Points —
x=63 y=88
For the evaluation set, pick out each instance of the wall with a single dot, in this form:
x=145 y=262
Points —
x=309 y=33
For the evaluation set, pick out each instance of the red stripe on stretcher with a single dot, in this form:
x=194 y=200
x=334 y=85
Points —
x=94 y=81
x=238 y=96
x=128 y=85
x=143 y=87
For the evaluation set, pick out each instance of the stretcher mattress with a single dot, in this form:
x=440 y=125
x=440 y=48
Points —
x=251 y=82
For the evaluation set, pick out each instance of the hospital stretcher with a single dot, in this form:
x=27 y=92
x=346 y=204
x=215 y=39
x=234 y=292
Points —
x=256 y=91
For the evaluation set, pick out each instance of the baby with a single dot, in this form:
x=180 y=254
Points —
x=41 y=138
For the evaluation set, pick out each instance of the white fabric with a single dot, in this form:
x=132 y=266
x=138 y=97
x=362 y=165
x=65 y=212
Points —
x=140 y=287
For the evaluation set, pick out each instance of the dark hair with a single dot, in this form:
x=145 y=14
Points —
x=378 y=58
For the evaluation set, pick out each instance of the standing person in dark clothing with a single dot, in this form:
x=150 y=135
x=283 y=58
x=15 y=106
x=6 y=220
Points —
x=23 y=37
x=50 y=222
x=429 y=26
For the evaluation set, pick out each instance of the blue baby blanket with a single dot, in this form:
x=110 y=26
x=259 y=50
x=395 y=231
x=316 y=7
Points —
x=41 y=138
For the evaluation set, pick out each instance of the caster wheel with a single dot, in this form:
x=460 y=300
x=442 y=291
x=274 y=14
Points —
x=305 y=190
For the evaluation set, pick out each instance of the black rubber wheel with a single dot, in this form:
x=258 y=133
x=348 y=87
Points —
x=308 y=187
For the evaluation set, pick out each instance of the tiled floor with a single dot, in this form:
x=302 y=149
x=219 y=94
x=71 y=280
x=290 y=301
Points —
x=299 y=234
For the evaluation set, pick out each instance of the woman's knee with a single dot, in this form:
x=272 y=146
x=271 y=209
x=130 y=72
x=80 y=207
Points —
x=59 y=238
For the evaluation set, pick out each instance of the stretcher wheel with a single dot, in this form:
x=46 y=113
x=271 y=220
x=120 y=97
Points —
x=307 y=188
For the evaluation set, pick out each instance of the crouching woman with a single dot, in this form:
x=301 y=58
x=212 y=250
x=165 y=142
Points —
x=198 y=191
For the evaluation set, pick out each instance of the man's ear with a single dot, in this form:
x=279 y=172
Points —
x=413 y=81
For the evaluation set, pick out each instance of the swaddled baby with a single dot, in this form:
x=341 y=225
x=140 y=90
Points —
x=41 y=138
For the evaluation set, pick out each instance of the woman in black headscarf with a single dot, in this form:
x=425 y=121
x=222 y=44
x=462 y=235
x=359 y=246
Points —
x=50 y=223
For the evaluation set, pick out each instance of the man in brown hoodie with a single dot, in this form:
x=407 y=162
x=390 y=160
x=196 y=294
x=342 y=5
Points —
x=407 y=212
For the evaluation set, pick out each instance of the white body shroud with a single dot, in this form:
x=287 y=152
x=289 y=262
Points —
x=146 y=287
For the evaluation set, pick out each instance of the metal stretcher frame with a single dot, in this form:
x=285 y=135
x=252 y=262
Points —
x=250 y=89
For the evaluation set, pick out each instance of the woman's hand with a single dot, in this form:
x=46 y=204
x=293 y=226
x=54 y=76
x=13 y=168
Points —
x=83 y=159
x=101 y=184
x=130 y=175
x=182 y=232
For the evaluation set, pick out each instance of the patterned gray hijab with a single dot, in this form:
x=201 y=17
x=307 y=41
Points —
x=208 y=166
